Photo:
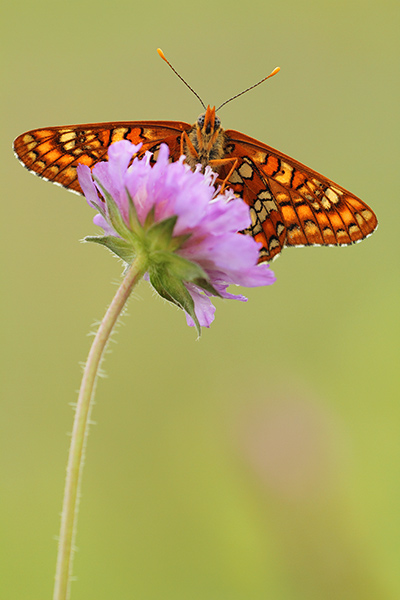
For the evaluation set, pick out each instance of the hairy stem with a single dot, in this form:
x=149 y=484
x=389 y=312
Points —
x=80 y=429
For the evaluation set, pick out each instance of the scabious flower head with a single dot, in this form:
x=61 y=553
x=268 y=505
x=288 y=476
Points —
x=174 y=215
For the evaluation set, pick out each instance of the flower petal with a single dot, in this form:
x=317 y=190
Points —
x=203 y=307
x=87 y=185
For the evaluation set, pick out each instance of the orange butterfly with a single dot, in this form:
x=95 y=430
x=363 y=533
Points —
x=290 y=204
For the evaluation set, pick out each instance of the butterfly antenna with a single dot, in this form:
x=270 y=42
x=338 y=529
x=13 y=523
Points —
x=274 y=72
x=161 y=53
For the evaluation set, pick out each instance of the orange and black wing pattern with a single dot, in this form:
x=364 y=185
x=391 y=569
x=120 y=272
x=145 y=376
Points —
x=53 y=153
x=290 y=204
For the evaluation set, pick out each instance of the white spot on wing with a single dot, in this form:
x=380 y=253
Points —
x=246 y=171
x=333 y=197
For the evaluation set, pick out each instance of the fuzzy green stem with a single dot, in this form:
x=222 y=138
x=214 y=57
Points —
x=80 y=429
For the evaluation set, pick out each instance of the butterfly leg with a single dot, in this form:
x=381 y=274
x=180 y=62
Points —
x=225 y=161
x=186 y=140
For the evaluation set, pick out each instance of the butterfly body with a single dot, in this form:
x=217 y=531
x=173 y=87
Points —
x=290 y=204
x=205 y=142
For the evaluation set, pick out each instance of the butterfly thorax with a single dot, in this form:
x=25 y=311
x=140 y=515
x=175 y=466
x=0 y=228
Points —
x=206 y=140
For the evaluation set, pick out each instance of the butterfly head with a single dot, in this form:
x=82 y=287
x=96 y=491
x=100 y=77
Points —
x=208 y=122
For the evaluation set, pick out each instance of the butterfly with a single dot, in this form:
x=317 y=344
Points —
x=289 y=203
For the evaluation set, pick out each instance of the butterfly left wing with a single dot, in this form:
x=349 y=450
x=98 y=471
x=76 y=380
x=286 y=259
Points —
x=53 y=153
x=290 y=204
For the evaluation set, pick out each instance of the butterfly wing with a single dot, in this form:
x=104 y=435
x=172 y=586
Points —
x=54 y=152
x=290 y=204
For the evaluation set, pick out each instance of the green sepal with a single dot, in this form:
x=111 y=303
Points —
x=173 y=290
x=159 y=235
x=169 y=271
x=178 y=267
x=162 y=234
x=101 y=210
x=118 y=246
x=114 y=216
x=149 y=220
x=205 y=284
x=177 y=241
x=134 y=222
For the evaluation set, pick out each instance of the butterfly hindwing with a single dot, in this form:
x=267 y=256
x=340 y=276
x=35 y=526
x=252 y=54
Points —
x=267 y=224
x=53 y=153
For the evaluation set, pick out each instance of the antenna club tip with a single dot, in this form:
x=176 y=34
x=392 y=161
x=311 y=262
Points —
x=276 y=70
x=161 y=53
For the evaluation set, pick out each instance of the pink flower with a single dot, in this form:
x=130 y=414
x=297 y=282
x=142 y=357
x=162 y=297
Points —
x=175 y=216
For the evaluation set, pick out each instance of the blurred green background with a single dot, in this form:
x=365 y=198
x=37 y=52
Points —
x=263 y=460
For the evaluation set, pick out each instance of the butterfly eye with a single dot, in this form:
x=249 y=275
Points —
x=202 y=118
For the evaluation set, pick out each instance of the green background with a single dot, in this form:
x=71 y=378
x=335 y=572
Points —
x=263 y=460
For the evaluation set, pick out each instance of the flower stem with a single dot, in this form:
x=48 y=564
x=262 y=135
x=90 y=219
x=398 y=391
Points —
x=80 y=429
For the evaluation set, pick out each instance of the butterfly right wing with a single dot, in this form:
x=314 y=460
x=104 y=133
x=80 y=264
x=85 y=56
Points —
x=291 y=204
x=53 y=153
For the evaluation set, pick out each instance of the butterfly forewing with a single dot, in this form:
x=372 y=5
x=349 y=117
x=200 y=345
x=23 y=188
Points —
x=54 y=153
